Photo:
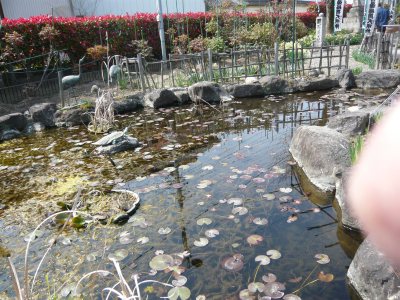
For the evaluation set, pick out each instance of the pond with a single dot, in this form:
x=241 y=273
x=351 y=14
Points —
x=222 y=210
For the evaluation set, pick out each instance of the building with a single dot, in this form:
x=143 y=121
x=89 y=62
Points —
x=14 y=9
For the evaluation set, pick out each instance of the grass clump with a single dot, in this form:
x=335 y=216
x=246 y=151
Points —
x=357 y=70
x=356 y=148
x=364 y=58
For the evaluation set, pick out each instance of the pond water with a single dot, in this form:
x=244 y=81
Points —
x=213 y=186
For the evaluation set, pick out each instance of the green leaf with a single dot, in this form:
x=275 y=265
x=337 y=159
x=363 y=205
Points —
x=181 y=292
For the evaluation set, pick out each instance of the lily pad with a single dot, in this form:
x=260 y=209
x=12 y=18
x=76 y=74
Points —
x=256 y=287
x=179 y=281
x=208 y=168
x=201 y=242
x=240 y=210
x=286 y=190
x=118 y=255
x=143 y=240
x=179 y=292
x=165 y=230
x=235 y=201
x=322 y=259
x=325 y=277
x=262 y=259
x=246 y=295
x=161 y=262
x=291 y=297
x=255 y=239
x=269 y=197
x=260 y=221
x=211 y=233
x=274 y=254
x=204 y=221
x=269 y=278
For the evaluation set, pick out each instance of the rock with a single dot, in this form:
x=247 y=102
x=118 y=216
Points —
x=13 y=121
x=314 y=73
x=317 y=84
x=160 y=98
x=123 y=144
x=347 y=219
x=209 y=92
x=371 y=274
x=275 y=85
x=248 y=90
x=249 y=80
x=378 y=79
x=182 y=94
x=9 y=134
x=72 y=117
x=129 y=104
x=346 y=78
x=350 y=123
x=43 y=113
x=120 y=219
x=320 y=152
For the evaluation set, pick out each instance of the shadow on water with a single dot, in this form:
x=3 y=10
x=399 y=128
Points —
x=184 y=173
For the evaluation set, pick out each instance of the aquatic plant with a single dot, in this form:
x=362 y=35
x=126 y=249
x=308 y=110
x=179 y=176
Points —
x=103 y=118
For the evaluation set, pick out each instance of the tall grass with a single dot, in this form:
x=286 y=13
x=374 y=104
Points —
x=356 y=148
x=364 y=58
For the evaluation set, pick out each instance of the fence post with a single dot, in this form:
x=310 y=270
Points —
x=141 y=72
x=378 y=50
x=210 y=64
x=347 y=53
x=276 y=52
x=60 y=88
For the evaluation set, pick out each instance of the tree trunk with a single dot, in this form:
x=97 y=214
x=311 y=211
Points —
x=330 y=14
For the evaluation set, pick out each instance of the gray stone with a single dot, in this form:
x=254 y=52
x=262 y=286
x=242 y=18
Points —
x=346 y=78
x=9 y=134
x=72 y=117
x=129 y=104
x=347 y=218
x=378 y=79
x=313 y=73
x=123 y=144
x=38 y=127
x=350 y=123
x=371 y=274
x=43 y=113
x=182 y=94
x=13 y=121
x=247 y=90
x=320 y=152
x=317 y=84
x=275 y=85
x=209 y=92
x=160 y=98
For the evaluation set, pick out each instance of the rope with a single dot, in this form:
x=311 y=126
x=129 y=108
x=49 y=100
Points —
x=384 y=103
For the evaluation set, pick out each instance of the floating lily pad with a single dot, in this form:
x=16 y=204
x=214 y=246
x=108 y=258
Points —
x=291 y=297
x=118 y=255
x=286 y=190
x=143 y=240
x=179 y=281
x=211 y=233
x=201 y=297
x=256 y=287
x=269 y=278
x=180 y=292
x=258 y=180
x=246 y=295
x=269 y=197
x=292 y=218
x=232 y=263
x=260 y=221
x=255 y=239
x=235 y=245
x=274 y=254
x=235 y=201
x=240 y=210
x=274 y=290
x=161 y=262
x=322 y=258
x=165 y=230
x=325 y=277
x=208 y=168
x=201 y=242
x=262 y=260
x=204 y=221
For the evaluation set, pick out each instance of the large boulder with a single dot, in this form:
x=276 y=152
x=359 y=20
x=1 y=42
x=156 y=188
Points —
x=182 y=94
x=317 y=84
x=350 y=123
x=9 y=134
x=43 y=113
x=13 y=121
x=346 y=78
x=160 y=98
x=247 y=90
x=275 y=85
x=321 y=152
x=129 y=104
x=72 y=117
x=347 y=218
x=371 y=274
x=209 y=92
x=378 y=79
